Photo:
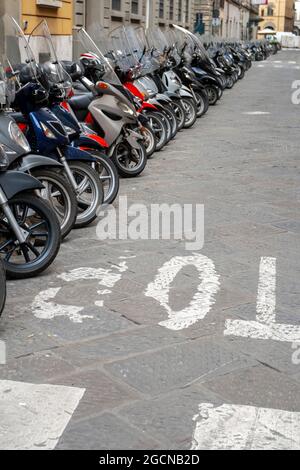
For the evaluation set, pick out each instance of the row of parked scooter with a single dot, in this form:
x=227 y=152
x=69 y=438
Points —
x=69 y=130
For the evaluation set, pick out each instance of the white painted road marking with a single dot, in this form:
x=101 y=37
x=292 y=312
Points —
x=46 y=310
x=203 y=299
x=266 y=294
x=34 y=417
x=239 y=427
x=265 y=326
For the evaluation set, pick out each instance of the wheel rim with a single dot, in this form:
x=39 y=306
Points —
x=87 y=194
x=212 y=95
x=37 y=243
x=128 y=158
x=58 y=198
x=200 y=103
x=149 y=140
x=190 y=112
x=158 y=128
x=107 y=178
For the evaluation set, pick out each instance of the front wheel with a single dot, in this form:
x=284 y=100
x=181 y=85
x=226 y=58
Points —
x=2 y=287
x=130 y=161
x=60 y=195
x=158 y=126
x=108 y=175
x=178 y=109
x=190 y=109
x=213 y=94
x=202 y=103
x=89 y=193
x=40 y=224
x=149 y=140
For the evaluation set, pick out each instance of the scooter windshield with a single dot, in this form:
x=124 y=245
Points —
x=198 y=45
x=92 y=43
x=41 y=43
x=143 y=54
x=122 y=50
x=16 y=48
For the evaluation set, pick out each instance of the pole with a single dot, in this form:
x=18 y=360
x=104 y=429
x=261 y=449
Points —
x=149 y=8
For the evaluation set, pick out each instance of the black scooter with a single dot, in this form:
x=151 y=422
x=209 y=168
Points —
x=29 y=229
x=56 y=188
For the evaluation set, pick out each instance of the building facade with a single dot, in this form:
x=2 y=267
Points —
x=113 y=13
x=227 y=18
x=297 y=18
x=59 y=16
x=277 y=15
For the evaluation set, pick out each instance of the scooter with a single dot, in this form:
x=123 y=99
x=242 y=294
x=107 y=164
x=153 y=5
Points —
x=29 y=229
x=46 y=134
x=108 y=111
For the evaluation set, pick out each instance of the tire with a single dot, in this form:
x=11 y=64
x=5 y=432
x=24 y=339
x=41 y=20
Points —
x=65 y=203
x=167 y=124
x=213 y=94
x=158 y=126
x=202 y=103
x=26 y=206
x=2 y=287
x=91 y=199
x=171 y=117
x=124 y=152
x=242 y=74
x=108 y=175
x=190 y=111
x=179 y=112
x=149 y=140
x=230 y=82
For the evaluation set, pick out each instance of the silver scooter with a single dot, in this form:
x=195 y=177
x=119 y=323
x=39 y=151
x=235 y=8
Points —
x=108 y=110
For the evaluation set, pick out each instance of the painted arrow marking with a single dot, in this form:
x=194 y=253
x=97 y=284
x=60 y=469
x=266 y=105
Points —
x=45 y=308
x=239 y=427
x=34 y=417
x=265 y=326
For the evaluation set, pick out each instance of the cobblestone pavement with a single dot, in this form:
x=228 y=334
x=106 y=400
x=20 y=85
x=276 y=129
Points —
x=146 y=385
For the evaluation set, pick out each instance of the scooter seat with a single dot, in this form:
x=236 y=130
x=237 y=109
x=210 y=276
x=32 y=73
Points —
x=81 y=102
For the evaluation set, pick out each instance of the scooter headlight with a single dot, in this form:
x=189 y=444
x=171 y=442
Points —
x=17 y=135
x=4 y=162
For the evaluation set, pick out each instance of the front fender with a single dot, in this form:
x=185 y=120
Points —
x=185 y=94
x=133 y=138
x=36 y=161
x=92 y=141
x=16 y=182
x=74 y=153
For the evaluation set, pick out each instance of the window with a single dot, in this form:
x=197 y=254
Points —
x=187 y=10
x=135 y=7
x=171 y=14
x=262 y=12
x=116 y=5
x=161 y=8
x=180 y=10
